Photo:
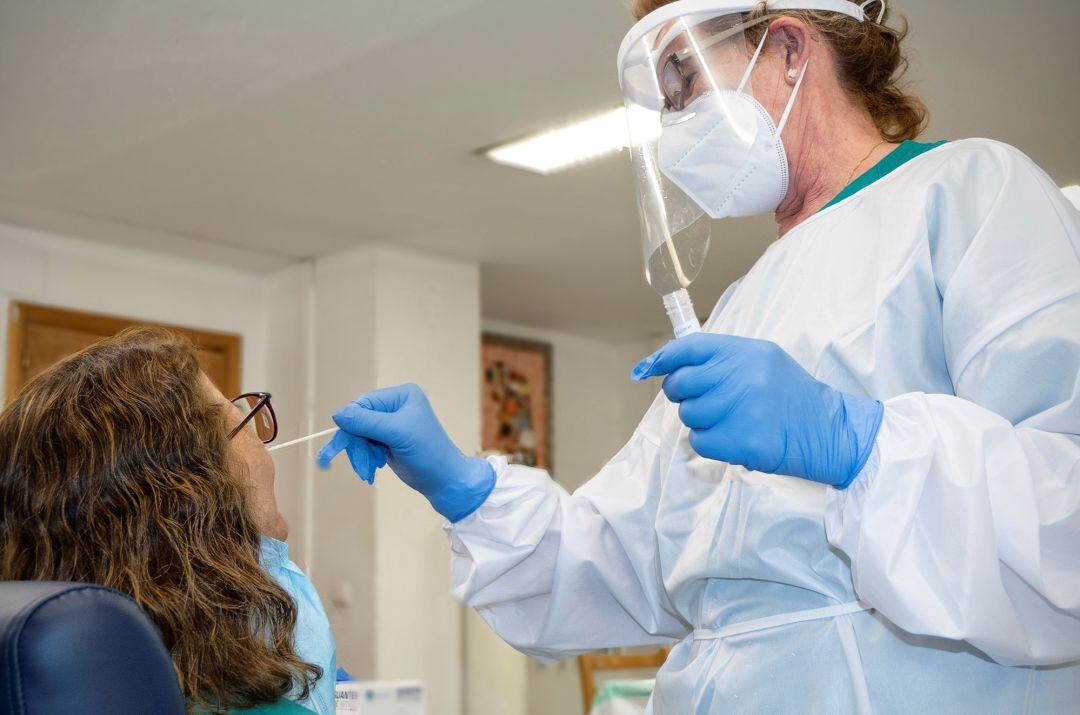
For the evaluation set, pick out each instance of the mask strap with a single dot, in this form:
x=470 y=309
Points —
x=753 y=61
x=791 y=101
x=868 y=3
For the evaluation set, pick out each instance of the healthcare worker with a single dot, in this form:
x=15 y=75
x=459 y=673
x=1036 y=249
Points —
x=860 y=488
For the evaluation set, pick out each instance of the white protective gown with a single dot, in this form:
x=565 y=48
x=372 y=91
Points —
x=950 y=290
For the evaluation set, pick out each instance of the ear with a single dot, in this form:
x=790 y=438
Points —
x=793 y=37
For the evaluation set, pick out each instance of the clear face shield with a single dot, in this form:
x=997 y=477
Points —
x=668 y=77
x=702 y=147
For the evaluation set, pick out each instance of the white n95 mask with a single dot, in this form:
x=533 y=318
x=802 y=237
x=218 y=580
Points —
x=725 y=153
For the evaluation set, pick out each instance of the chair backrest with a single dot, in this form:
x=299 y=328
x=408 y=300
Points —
x=80 y=648
x=589 y=663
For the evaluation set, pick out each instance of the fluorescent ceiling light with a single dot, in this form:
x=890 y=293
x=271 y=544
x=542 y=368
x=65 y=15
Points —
x=1072 y=193
x=561 y=148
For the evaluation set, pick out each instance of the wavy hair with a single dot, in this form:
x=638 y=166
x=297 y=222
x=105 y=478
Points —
x=116 y=469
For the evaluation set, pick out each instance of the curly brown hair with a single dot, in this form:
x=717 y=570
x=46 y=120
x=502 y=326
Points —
x=870 y=63
x=116 y=469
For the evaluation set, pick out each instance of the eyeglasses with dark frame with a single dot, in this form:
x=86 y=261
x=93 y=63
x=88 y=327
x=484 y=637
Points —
x=259 y=413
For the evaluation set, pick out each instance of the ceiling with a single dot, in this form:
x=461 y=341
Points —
x=258 y=132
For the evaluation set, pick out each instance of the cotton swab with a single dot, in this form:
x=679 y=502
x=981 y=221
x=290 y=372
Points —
x=310 y=437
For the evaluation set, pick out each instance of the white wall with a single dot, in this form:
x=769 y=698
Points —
x=596 y=405
x=428 y=328
x=57 y=270
x=368 y=317
x=596 y=408
x=634 y=398
x=341 y=507
x=287 y=356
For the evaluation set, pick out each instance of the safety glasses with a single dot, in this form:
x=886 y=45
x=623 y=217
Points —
x=258 y=414
x=685 y=69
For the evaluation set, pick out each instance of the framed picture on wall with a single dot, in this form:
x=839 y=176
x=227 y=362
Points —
x=516 y=399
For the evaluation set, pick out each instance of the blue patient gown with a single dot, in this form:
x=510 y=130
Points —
x=946 y=578
x=314 y=639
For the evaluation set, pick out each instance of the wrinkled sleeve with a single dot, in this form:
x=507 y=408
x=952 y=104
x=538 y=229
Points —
x=965 y=524
x=553 y=573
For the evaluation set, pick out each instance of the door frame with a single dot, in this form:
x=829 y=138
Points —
x=21 y=314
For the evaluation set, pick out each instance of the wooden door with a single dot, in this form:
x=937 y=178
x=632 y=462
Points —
x=40 y=336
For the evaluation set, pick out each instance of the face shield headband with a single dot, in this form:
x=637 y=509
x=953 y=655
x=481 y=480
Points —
x=635 y=50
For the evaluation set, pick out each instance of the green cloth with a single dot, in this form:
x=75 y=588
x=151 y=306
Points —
x=896 y=158
x=624 y=689
x=281 y=707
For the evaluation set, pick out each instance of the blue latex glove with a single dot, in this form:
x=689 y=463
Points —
x=399 y=421
x=365 y=456
x=748 y=402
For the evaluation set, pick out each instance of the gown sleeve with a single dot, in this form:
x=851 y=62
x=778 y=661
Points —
x=965 y=523
x=556 y=573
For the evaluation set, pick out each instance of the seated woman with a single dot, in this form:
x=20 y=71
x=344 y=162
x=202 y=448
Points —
x=124 y=466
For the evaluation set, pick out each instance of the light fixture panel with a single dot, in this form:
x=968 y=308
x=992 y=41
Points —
x=563 y=147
